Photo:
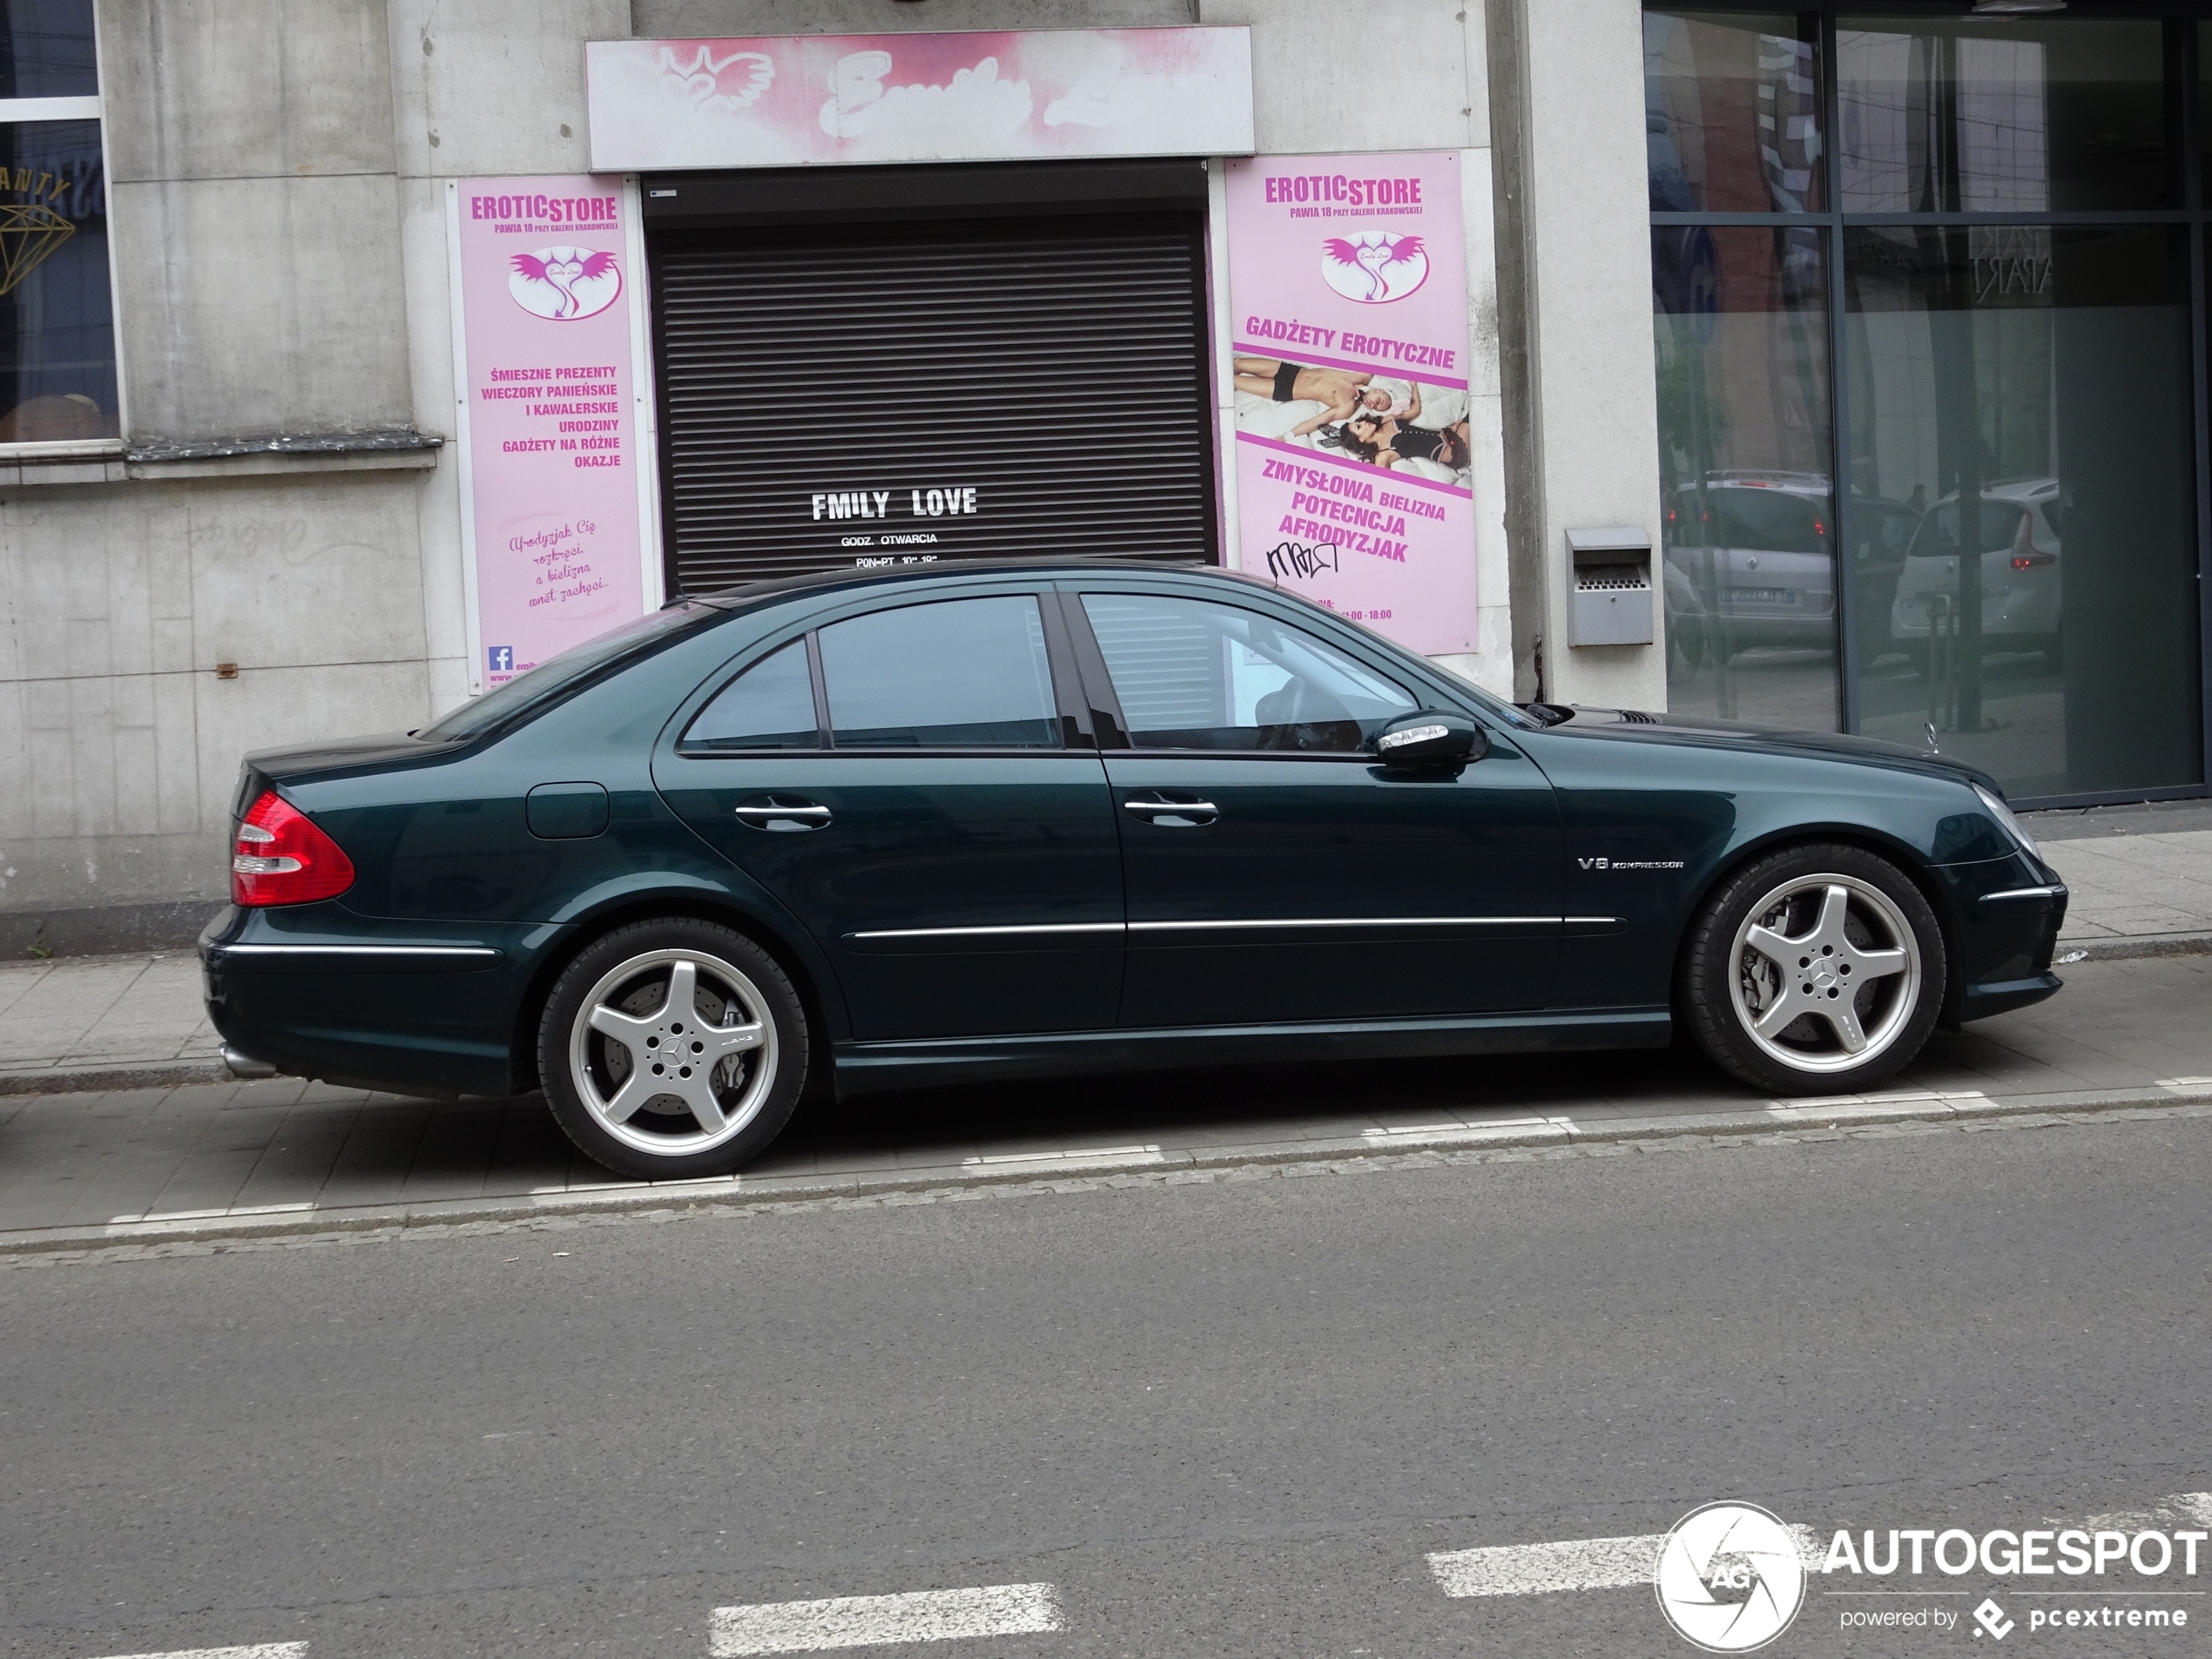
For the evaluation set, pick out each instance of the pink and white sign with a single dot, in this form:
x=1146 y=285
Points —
x=1347 y=283
x=547 y=382
x=802 y=100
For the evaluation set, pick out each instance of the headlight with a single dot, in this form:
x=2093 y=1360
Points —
x=2013 y=827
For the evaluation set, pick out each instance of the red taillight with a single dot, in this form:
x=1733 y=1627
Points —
x=281 y=857
x=2026 y=552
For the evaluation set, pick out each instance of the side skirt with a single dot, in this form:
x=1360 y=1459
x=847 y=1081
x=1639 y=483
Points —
x=870 y=1068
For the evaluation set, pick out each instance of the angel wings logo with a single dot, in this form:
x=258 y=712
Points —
x=1374 y=267
x=1729 y=1577
x=563 y=283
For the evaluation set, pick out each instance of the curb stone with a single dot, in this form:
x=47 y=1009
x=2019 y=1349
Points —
x=78 y=1080
x=2131 y=947
x=1919 y=1112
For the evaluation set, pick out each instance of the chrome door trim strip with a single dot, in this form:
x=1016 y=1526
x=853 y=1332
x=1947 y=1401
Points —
x=981 y=933
x=356 y=950
x=1187 y=927
x=1352 y=922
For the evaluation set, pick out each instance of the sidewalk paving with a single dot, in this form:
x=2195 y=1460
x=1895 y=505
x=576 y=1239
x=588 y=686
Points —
x=135 y=1022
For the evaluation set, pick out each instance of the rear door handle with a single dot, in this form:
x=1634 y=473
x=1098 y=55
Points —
x=1174 y=814
x=775 y=813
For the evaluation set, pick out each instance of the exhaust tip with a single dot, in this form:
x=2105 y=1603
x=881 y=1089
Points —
x=245 y=1066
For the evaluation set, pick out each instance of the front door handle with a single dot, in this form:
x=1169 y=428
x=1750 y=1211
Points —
x=1162 y=813
x=783 y=813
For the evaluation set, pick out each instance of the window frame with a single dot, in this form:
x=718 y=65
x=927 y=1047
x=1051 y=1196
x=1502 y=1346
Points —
x=16 y=111
x=1105 y=702
x=2188 y=46
x=1077 y=732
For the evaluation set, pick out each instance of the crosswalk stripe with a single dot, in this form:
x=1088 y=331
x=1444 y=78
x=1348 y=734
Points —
x=1530 y=1569
x=261 y=1650
x=873 y=1621
x=1576 y=1564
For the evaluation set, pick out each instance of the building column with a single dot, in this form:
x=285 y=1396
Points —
x=1575 y=328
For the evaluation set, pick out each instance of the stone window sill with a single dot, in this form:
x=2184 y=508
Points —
x=157 y=458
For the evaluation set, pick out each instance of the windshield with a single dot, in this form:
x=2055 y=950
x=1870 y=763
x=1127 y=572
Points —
x=530 y=691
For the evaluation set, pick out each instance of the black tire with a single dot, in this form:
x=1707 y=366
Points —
x=1873 y=960
x=745 y=1030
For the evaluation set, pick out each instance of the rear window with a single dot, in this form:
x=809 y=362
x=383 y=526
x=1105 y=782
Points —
x=1766 y=521
x=526 y=693
x=1938 y=536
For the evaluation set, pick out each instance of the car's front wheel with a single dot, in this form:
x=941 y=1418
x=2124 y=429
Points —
x=671 y=1048
x=1816 y=970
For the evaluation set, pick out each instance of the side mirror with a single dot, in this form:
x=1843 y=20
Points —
x=1430 y=741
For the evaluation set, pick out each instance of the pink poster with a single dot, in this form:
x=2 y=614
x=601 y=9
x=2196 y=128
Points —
x=972 y=95
x=547 y=382
x=1347 y=285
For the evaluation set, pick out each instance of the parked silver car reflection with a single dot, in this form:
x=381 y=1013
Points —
x=2020 y=574
x=1751 y=560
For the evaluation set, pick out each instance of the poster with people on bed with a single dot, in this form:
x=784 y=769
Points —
x=1347 y=285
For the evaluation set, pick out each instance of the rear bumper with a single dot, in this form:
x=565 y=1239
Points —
x=311 y=991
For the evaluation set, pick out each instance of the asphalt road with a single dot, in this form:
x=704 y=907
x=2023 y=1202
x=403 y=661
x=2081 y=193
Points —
x=1230 y=1417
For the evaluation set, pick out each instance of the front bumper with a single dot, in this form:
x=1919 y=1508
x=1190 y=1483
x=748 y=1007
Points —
x=2008 y=912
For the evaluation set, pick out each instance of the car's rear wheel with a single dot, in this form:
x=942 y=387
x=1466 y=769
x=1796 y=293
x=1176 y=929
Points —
x=1819 y=969
x=671 y=1048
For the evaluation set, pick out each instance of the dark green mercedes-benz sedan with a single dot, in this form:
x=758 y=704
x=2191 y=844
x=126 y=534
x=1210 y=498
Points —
x=952 y=822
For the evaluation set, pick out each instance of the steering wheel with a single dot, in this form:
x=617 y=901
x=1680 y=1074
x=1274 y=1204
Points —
x=1302 y=717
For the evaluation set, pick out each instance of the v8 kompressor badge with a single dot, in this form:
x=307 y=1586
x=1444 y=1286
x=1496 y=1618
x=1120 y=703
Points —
x=1630 y=864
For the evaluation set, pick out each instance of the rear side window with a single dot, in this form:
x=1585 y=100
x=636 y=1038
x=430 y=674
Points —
x=771 y=705
x=1191 y=675
x=1998 y=521
x=957 y=674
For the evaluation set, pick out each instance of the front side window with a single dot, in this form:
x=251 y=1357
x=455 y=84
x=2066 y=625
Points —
x=1191 y=675
x=957 y=674
x=58 y=382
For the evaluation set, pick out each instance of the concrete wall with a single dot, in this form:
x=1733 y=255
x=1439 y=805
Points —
x=1574 y=324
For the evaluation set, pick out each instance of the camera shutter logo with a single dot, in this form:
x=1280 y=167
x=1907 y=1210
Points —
x=1729 y=1577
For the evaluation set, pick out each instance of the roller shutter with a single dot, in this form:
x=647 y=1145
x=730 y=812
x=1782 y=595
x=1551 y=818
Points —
x=981 y=387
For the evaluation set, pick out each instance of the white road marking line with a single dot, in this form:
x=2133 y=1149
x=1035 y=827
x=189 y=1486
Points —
x=1531 y=1569
x=1578 y=1564
x=212 y=1214
x=264 y=1650
x=1615 y=1563
x=1081 y=1155
x=1456 y=1132
x=2183 y=1083
x=876 y=1621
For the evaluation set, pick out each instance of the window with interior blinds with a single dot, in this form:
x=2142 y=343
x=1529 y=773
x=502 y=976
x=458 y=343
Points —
x=855 y=396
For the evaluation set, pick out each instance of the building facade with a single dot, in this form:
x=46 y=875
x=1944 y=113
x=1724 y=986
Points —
x=365 y=352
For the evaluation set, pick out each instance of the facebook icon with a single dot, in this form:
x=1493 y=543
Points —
x=503 y=660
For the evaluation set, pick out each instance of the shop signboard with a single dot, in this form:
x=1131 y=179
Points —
x=545 y=381
x=1347 y=285
x=1007 y=95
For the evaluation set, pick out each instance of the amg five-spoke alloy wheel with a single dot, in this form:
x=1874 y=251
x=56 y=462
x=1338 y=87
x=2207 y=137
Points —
x=671 y=1049
x=1816 y=970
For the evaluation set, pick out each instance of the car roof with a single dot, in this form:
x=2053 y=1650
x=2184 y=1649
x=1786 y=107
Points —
x=750 y=593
